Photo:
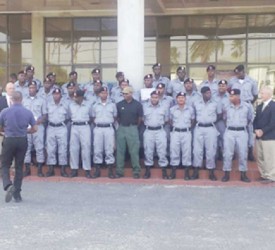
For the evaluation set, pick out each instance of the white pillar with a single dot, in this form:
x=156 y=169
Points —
x=130 y=22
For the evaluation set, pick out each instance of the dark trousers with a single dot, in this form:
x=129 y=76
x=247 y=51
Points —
x=13 y=147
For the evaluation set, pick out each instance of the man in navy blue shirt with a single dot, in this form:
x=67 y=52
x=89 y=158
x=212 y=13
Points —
x=16 y=122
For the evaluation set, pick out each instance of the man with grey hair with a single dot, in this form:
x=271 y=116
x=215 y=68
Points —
x=264 y=128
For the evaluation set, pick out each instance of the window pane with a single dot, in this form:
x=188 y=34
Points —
x=3 y=28
x=86 y=27
x=201 y=27
x=58 y=53
x=197 y=73
x=202 y=51
x=3 y=53
x=58 y=29
x=86 y=52
x=178 y=26
x=150 y=27
x=178 y=52
x=26 y=53
x=62 y=72
x=150 y=52
x=19 y=28
x=260 y=51
x=263 y=74
x=3 y=76
x=232 y=26
x=109 y=52
x=84 y=74
x=108 y=75
x=261 y=26
x=231 y=51
x=109 y=27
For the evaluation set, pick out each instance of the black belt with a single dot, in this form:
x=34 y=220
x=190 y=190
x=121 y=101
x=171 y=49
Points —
x=205 y=125
x=154 y=128
x=80 y=123
x=104 y=125
x=236 y=128
x=56 y=124
x=182 y=129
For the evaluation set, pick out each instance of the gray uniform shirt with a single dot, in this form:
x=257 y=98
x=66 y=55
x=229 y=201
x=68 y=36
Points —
x=175 y=86
x=58 y=113
x=181 y=118
x=214 y=87
x=104 y=112
x=206 y=112
x=36 y=105
x=155 y=115
x=80 y=112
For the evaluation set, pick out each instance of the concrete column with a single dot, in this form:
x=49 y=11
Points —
x=38 y=45
x=130 y=21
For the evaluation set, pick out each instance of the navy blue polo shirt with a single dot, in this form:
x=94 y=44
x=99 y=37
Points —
x=15 y=121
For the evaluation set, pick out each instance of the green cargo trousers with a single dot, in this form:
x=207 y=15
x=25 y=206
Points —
x=127 y=136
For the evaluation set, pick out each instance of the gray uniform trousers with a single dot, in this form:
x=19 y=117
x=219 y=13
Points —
x=56 y=141
x=155 y=139
x=220 y=125
x=80 y=140
x=36 y=140
x=181 y=145
x=104 y=142
x=235 y=140
x=205 y=137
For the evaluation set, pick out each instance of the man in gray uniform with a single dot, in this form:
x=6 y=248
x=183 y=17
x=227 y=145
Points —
x=191 y=94
x=72 y=79
x=57 y=133
x=21 y=85
x=181 y=119
x=30 y=76
x=116 y=94
x=237 y=116
x=46 y=92
x=80 y=112
x=155 y=116
x=104 y=116
x=249 y=94
x=177 y=85
x=37 y=106
x=211 y=81
x=205 y=133
x=158 y=78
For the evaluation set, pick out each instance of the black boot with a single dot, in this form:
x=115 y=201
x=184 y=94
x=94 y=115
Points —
x=50 y=171
x=110 y=171
x=147 y=174
x=27 y=169
x=226 y=176
x=173 y=173
x=195 y=174
x=97 y=171
x=164 y=174
x=39 y=170
x=63 y=171
x=250 y=156
x=186 y=173
x=244 y=178
x=73 y=173
x=88 y=174
x=212 y=176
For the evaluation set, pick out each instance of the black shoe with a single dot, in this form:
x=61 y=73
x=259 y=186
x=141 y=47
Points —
x=110 y=171
x=17 y=197
x=97 y=171
x=173 y=173
x=27 y=170
x=164 y=174
x=244 y=178
x=250 y=156
x=186 y=174
x=136 y=176
x=147 y=174
x=63 y=171
x=50 y=171
x=88 y=174
x=226 y=176
x=39 y=170
x=212 y=176
x=74 y=173
x=119 y=175
x=195 y=174
x=9 y=193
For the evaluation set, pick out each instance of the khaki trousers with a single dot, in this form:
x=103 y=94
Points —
x=266 y=158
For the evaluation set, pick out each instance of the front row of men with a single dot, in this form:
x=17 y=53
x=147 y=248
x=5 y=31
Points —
x=192 y=123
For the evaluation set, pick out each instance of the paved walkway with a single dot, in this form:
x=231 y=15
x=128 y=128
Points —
x=71 y=215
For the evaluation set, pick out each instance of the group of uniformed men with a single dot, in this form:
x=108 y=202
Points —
x=180 y=122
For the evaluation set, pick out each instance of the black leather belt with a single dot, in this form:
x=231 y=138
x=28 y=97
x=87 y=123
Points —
x=104 y=125
x=57 y=124
x=80 y=123
x=205 y=125
x=154 y=128
x=236 y=128
x=182 y=129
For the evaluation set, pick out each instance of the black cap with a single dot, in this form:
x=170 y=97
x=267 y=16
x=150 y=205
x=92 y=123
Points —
x=96 y=70
x=21 y=72
x=103 y=89
x=79 y=92
x=180 y=68
x=50 y=74
x=149 y=76
x=32 y=83
x=119 y=74
x=46 y=79
x=98 y=81
x=210 y=67
x=235 y=92
x=126 y=80
x=180 y=94
x=205 y=89
x=189 y=80
x=161 y=86
x=222 y=82
x=71 y=84
x=154 y=93
x=156 y=65
x=239 y=68
x=57 y=91
x=29 y=67
x=73 y=73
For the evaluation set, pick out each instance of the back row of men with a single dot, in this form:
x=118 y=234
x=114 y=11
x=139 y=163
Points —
x=165 y=106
